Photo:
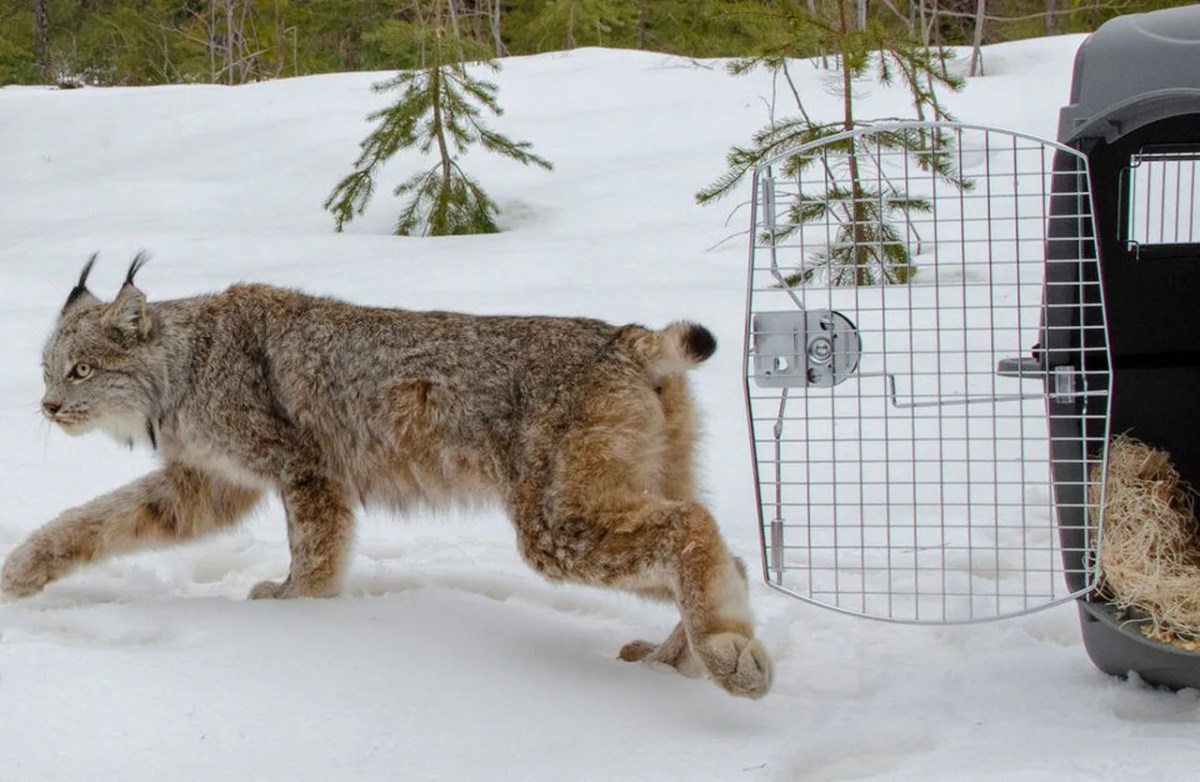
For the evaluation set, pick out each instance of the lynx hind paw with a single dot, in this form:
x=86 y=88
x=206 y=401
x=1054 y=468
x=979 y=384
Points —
x=26 y=571
x=738 y=664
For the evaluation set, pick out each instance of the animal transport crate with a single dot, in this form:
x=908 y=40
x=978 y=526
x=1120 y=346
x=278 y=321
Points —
x=946 y=323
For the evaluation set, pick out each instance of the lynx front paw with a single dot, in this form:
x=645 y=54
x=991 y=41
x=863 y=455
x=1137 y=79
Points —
x=265 y=589
x=28 y=569
x=636 y=651
x=674 y=651
x=287 y=589
x=738 y=664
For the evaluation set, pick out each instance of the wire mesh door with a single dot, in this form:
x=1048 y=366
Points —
x=900 y=372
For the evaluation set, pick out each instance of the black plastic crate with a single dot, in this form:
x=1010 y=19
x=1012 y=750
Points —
x=1135 y=114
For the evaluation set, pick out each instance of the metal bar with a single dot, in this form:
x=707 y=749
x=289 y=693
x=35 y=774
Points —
x=935 y=503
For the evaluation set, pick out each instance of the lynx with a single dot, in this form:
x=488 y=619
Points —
x=581 y=430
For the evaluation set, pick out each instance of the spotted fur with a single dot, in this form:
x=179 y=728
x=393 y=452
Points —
x=583 y=431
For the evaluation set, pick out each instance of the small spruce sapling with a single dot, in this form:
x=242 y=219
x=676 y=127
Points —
x=439 y=107
x=868 y=246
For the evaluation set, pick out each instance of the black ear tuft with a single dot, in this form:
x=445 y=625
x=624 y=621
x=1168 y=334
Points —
x=139 y=261
x=80 y=290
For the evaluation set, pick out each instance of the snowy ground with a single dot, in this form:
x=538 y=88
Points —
x=446 y=658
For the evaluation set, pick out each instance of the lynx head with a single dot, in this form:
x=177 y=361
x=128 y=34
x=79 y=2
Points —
x=99 y=364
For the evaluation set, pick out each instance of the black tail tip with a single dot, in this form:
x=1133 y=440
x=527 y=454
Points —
x=700 y=342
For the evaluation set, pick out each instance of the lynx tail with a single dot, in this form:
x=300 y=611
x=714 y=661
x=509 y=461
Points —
x=674 y=350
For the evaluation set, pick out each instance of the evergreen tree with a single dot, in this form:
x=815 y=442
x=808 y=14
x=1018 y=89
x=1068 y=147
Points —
x=440 y=108
x=16 y=42
x=867 y=247
x=236 y=41
x=567 y=24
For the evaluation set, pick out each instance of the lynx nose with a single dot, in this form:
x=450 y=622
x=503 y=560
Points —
x=50 y=407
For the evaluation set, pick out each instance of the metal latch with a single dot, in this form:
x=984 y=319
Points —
x=798 y=348
x=1063 y=383
x=1029 y=367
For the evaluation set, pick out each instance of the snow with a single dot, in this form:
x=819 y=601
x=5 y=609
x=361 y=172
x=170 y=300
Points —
x=446 y=659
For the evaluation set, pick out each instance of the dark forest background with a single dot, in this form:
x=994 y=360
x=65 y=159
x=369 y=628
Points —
x=127 y=42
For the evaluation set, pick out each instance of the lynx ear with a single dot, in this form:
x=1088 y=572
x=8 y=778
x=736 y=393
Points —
x=80 y=294
x=127 y=314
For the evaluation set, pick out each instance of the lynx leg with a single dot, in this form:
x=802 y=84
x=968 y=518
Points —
x=167 y=506
x=679 y=431
x=710 y=588
x=644 y=540
x=675 y=651
x=679 y=434
x=319 y=521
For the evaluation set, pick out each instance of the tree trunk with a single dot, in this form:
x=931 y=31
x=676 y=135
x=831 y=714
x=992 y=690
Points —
x=847 y=79
x=450 y=6
x=856 y=213
x=908 y=16
x=497 y=42
x=812 y=12
x=229 y=42
x=210 y=32
x=976 y=68
x=435 y=99
x=862 y=15
x=641 y=24
x=280 y=35
x=477 y=16
x=41 y=40
x=1051 y=16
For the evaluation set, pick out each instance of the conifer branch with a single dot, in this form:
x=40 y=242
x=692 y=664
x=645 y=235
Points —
x=857 y=197
x=438 y=112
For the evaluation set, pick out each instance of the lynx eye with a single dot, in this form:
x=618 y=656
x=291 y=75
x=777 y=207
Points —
x=81 y=371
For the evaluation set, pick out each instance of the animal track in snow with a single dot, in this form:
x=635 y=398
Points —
x=847 y=760
x=88 y=627
x=499 y=587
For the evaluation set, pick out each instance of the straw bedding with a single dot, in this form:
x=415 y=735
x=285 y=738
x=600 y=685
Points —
x=1150 y=554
